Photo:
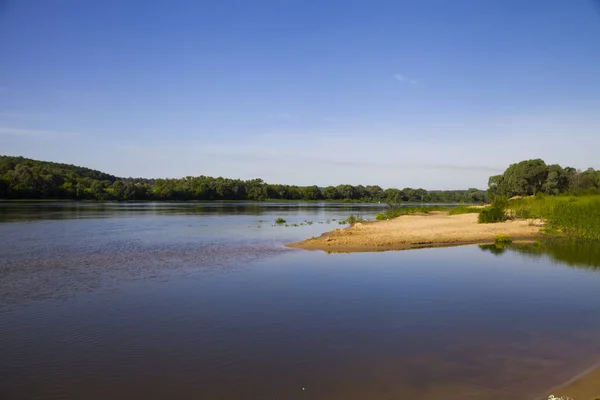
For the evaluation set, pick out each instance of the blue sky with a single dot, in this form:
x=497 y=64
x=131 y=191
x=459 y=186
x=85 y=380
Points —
x=421 y=93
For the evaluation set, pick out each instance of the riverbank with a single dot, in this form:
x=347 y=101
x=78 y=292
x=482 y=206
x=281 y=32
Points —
x=583 y=387
x=435 y=229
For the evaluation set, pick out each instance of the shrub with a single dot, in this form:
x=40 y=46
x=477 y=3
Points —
x=491 y=215
x=280 y=220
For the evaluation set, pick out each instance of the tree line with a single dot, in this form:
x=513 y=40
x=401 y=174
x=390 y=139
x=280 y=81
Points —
x=22 y=178
x=531 y=177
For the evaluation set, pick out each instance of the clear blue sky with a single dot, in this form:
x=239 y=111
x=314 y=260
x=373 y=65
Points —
x=421 y=93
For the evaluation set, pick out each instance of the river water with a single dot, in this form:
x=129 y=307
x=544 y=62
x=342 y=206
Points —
x=203 y=301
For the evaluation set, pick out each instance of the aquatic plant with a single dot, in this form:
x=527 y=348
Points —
x=280 y=220
x=352 y=219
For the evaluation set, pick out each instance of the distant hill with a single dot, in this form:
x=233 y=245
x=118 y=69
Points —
x=8 y=163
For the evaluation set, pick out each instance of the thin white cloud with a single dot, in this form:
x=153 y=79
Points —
x=405 y=79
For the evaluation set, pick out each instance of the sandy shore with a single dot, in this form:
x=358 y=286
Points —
x=436 y=229
x=583 y=387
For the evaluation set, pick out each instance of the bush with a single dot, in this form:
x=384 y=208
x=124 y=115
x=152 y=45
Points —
x=491 y=215
x=280 y=220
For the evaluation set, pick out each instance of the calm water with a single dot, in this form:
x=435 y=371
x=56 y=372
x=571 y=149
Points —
x=202 y=301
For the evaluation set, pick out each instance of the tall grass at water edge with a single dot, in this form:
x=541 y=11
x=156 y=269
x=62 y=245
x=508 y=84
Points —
x=394 y=212
x=464 y=210
x=575 y=216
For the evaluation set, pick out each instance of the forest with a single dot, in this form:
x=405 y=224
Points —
x=23 y=178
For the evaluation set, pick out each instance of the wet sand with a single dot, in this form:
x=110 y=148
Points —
x=436 y=229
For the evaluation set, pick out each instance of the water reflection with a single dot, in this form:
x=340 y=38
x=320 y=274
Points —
x=574 y=253
x=50 y=210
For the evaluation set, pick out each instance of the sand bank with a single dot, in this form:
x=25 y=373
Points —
x=436 y=229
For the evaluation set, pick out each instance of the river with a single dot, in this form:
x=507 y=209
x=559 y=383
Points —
x=203 y=301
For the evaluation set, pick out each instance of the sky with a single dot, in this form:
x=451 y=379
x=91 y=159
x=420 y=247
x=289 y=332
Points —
x=436 y=94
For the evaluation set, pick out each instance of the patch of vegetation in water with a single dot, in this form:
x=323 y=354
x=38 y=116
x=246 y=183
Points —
x=502 y=239
x=353 y=219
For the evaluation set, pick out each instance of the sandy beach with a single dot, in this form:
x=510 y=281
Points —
x=435 y=229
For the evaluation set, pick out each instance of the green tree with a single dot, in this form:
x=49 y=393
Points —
x=557 y=180
x=331 y=193
x=312 y=193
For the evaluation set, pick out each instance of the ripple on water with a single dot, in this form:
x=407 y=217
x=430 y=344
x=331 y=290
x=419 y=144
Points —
x=63 y=273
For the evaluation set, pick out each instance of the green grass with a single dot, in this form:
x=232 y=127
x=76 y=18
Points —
x=574 y=216
x=465 y=210
x=392 y=213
